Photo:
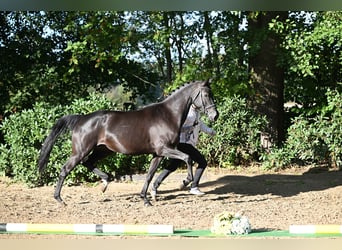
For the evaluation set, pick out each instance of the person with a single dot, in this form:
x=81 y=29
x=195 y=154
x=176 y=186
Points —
x=188 y=140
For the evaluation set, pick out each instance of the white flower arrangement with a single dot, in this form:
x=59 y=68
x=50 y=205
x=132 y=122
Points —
x=229 y=223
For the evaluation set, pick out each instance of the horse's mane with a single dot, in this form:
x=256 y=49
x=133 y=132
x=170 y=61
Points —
x=177 y=90
x=170 y=95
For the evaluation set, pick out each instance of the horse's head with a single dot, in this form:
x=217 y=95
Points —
x=203 y=99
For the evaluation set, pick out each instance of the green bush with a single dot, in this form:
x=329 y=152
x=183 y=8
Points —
x=315 y=140
x=24 y=133
x=330 y=126
x=238 y=134
x=5 y=168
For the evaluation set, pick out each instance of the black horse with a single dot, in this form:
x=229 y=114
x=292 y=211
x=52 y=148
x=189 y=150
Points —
x=153 y=129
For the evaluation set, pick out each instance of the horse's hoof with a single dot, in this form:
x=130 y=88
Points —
x=62 y=203
x=148 y=204
x=104 y=186
x=153 y=195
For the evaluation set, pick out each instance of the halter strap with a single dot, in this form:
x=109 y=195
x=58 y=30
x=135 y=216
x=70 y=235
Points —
x=203 y=108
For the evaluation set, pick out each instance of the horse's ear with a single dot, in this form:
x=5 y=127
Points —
x=208 y=81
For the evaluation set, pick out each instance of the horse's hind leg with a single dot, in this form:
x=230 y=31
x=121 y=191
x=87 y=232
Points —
x=98 y=153
x=68 y=166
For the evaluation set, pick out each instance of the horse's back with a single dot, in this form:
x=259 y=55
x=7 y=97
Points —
x=130 y=132
x=121 y=131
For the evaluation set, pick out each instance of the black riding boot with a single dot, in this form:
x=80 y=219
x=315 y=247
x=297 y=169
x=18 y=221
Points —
x=197 y=177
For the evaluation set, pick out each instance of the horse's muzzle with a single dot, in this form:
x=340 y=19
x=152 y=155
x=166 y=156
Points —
x=213 y=114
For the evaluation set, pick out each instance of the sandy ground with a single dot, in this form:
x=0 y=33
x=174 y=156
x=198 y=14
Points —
x=271 y=201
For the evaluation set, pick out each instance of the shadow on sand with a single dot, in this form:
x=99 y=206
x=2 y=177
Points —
x=284 y=185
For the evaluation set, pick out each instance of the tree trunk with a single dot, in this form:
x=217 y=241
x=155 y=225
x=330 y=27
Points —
x=179 y=41
x=208 y=34
x=167 y=49
x=266 y=76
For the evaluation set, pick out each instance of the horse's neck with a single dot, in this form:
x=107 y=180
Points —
x=179 y=107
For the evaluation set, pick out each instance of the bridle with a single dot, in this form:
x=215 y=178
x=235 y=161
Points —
x=203 y=108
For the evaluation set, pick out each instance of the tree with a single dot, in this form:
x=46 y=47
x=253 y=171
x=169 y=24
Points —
x=268 y=57
x=34 y=63
x=31 y=62
x=102 y=53
x=226 y=60
x=167 y=46
x=266 y=75
x=313 y=42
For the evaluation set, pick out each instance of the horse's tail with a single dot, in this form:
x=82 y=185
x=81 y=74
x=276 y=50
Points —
x=60 y=127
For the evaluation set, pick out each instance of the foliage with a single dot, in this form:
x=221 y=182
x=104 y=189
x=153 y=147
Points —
x=237 y=139
x=312 y=140
x=220 y=58
x=23 y=134
x=25 y=131
x=59 y=56
x=101 y=53
x=56 y=57
x=312 y=56
x=331 y=127
x=33 y=62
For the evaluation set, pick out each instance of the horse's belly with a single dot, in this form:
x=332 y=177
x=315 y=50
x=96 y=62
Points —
x=127 y=145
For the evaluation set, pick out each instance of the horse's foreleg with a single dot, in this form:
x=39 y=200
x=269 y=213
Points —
x=151 y=171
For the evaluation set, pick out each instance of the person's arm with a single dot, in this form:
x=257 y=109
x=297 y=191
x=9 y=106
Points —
x=204 y=128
